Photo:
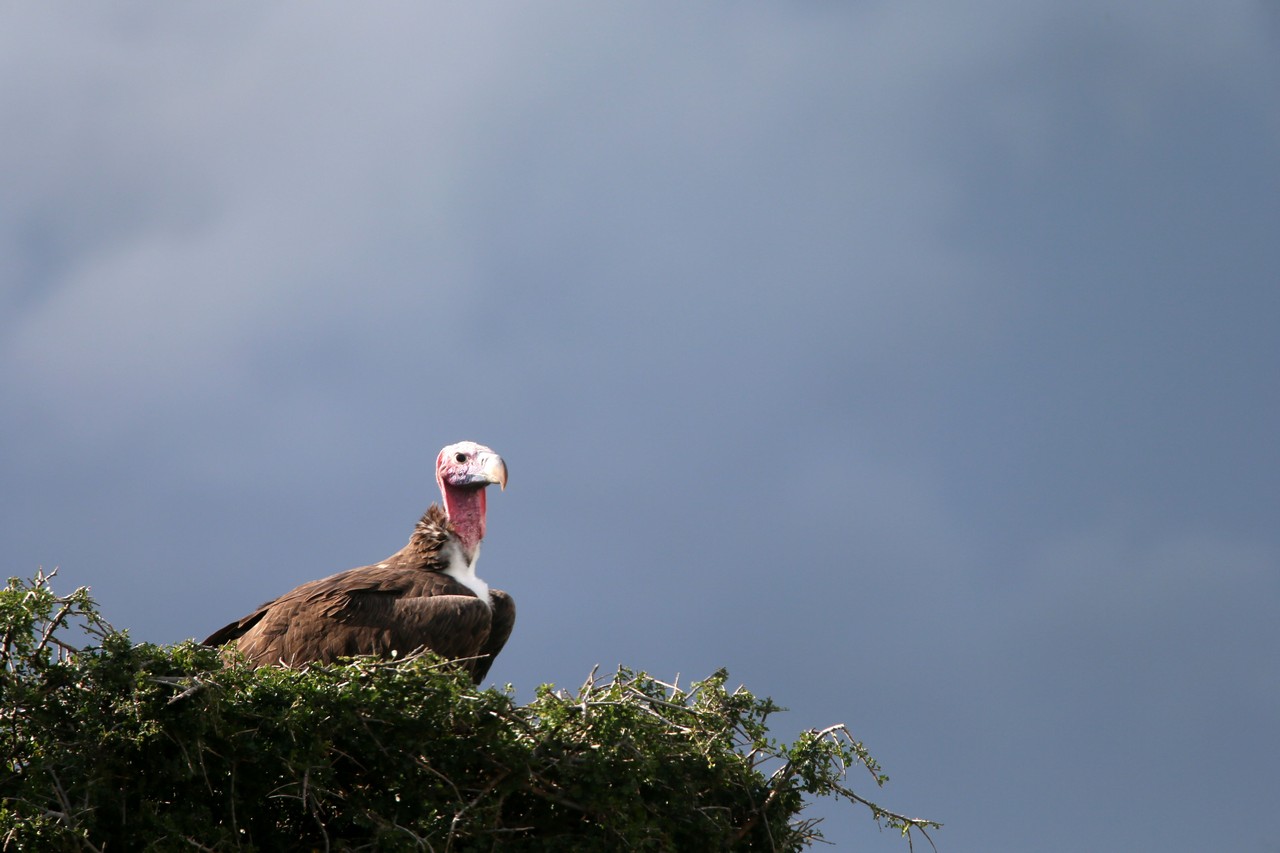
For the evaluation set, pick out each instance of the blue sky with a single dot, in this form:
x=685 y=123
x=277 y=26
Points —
x=914 y=362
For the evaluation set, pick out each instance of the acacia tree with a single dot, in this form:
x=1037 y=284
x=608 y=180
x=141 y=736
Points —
x=108 y=745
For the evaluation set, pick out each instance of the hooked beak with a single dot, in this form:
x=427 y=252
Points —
x=492 y=470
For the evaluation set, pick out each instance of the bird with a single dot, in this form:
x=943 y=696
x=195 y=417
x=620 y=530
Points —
x=425 y=596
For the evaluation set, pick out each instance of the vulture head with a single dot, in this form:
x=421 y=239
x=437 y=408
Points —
x=463 y=470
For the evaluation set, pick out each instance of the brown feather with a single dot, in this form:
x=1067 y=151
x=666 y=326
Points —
x=403 y=604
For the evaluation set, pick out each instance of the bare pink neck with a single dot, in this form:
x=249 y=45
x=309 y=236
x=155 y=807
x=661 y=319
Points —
x=465 y=508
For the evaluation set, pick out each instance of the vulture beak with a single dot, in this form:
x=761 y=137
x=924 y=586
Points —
x=496 y=470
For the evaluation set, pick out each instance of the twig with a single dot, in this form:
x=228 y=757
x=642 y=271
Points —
x=53 y=624
x=193 y=686
x=457 y=816
x=66 y=817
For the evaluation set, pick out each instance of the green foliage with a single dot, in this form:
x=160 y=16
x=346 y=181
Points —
x=124 y=746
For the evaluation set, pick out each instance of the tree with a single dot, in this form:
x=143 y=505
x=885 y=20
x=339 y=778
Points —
x=108 y=745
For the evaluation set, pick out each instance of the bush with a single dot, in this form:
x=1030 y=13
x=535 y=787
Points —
x=124 y=746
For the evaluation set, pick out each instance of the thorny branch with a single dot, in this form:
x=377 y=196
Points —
x=39 y=603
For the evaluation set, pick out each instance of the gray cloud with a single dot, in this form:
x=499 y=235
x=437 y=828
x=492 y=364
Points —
x=911 y=365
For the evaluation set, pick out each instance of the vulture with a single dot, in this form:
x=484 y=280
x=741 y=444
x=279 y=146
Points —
x=425 y=596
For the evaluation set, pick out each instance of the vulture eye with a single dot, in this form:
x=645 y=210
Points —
x=459 y=457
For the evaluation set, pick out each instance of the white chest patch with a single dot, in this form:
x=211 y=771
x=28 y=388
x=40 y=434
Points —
x=465 y=573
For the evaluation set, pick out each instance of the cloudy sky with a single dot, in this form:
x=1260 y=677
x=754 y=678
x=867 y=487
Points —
x=916 y=362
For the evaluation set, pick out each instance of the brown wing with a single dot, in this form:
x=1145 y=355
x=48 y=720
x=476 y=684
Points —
x=504 y=619
x=364 y=611
x=237 y=629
